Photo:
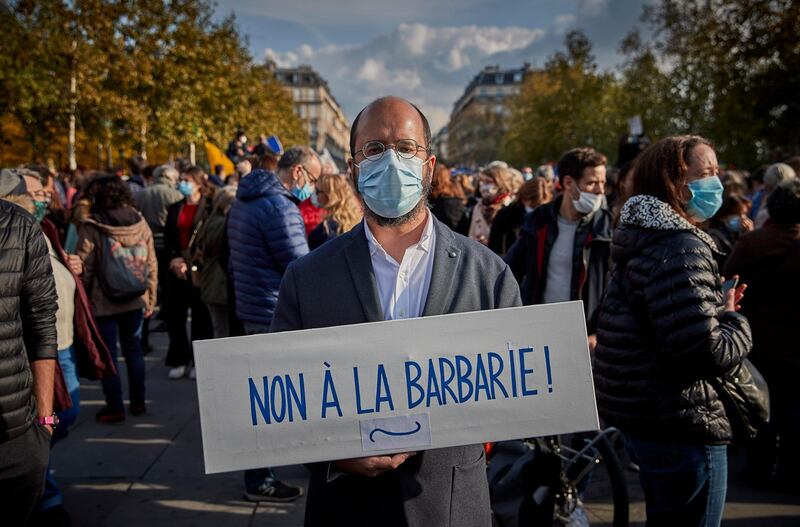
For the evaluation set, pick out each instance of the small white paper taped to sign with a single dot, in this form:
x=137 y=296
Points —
x=390 y=433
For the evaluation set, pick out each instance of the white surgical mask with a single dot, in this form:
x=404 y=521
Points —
x=488 y=190
x=588 y=202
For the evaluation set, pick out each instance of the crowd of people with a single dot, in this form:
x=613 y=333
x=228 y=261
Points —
x=644 y=243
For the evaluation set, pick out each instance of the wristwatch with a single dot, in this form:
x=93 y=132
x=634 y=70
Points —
x=50 y=420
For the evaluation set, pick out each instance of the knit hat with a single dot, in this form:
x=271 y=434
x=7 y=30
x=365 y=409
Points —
x=11 y=182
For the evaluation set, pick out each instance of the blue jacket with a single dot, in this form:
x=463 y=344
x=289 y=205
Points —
x=265 y=234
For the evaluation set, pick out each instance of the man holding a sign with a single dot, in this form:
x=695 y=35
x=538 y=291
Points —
x=399 y=263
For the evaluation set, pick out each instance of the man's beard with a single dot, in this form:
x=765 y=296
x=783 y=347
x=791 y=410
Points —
x=406 y=218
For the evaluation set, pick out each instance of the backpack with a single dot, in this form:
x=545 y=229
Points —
x=123 y=270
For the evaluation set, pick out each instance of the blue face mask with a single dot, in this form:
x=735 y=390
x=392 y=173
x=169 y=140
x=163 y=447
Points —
x=392 y=185
x=706 y=197
x=734 y=224
x=185 y=188
x=304 y=192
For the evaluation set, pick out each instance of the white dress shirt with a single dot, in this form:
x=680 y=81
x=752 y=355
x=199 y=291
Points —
x=403 y=287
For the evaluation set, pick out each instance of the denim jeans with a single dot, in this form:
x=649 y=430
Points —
x=684 y=484
x=66 y=418
x=129 y=327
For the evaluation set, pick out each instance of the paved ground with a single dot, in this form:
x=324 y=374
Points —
x=148 y=471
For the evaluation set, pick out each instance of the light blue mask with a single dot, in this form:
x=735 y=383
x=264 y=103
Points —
x=185 y=188
x=392 y=185
x=304 y=192
x=734 y=224
x=706 y=197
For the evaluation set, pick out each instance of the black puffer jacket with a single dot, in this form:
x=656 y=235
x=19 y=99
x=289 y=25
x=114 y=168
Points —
x=27 y=315
x=663 y=331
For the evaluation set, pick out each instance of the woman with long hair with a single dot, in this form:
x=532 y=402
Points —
x=446 y=197
x=184 y=220
x=728 y=224
x=667 y=331
x=506 y=225
x=334 y=194
x=496 y=192
x=115 y=226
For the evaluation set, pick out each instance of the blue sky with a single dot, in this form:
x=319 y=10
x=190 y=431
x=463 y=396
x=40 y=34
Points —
x=426 y=51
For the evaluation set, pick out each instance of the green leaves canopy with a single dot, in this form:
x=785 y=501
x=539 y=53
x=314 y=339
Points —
x=161 y=68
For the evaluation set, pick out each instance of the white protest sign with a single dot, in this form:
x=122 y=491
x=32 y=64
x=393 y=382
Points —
x=385 y=387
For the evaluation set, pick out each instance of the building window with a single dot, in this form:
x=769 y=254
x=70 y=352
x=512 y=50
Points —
x=312 y=128
x=518 y=77
x=498 y=78
x=313 y=111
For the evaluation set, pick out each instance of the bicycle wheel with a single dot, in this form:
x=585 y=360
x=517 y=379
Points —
x=596 y=484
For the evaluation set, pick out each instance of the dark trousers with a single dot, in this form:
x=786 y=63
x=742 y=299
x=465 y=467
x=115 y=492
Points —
x=254 y=477
x=684 y=484
x=23 y=462
x=181 y=297
x=128 y=326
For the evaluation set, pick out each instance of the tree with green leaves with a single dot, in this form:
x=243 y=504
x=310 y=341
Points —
x=735 y=67
x=144 y=74
x=568 y=103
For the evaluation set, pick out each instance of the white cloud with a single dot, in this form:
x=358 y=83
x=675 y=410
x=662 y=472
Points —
x=429 y=66
x=564 y=21
x=592 y=7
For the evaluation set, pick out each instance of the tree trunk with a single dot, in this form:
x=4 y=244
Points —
x=73 y=163
x=192 y=153
x=143 y=141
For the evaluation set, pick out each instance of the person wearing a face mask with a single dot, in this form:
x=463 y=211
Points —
x=27 y=354
x=336 y=197
x=495 y=187
x=768 y=261
x=265 y=235
x=666 y=331
x=184 y=220
x=400 y=262
x=563 y=247
x=506 y=225
x=79 y=338
x=728 y=224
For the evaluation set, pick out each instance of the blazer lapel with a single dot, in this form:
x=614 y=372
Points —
x=360 y=265
x=443 y=277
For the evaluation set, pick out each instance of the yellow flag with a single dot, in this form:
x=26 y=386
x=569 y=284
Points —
x=217 y=157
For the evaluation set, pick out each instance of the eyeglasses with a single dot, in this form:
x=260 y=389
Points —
x=405 y=148
x=312 y=180
x=40 y=195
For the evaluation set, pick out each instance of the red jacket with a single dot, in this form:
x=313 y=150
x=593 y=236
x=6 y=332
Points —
x=312 y=216
x=91 y=354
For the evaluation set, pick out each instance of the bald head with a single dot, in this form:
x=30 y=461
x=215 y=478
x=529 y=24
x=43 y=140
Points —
x=389 y=116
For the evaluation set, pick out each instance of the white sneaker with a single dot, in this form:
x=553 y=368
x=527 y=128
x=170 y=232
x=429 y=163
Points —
x=192 y=373
x=176 y=372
